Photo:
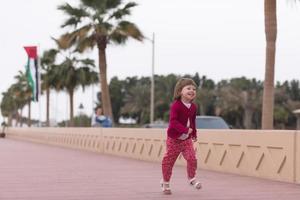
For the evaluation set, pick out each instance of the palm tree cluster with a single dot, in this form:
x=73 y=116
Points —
x=238 y=100
x=92 y=23
x=103 y=22
x=65 y=76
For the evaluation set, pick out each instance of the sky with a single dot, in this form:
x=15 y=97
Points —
x=219 y=39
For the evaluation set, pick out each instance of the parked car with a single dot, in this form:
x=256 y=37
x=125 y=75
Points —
x=156 y=125
x=202 y=122
x=211 y=122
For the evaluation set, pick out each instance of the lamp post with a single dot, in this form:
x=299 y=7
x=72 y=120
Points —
x=152 y=79
x=80 y=108
x=152 y=82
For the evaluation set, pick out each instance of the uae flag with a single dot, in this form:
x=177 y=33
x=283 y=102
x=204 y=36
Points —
x=32 y=71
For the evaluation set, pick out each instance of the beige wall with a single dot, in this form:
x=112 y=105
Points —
x=266 y=154
x=297 y=158
x=253 y=153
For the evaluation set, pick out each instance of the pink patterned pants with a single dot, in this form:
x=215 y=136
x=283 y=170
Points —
x=174 y=148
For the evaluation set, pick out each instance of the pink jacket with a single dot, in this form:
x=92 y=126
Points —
x=179 y=115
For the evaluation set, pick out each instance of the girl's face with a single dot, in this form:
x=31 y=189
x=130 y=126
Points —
x=188 y=93
x=99 y=111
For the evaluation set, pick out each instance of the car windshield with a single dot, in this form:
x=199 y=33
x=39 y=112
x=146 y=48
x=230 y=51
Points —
x=211 y=123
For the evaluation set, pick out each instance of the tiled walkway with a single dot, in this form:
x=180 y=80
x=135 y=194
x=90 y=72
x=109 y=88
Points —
x=31 y=171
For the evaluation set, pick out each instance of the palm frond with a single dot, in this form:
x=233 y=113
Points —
x=131 y=30
x=130 y=5
x=107 y=26
x=48 y=57
x=87 y=62
x=69 y=39
x=94 y=3
x=84 y=31
x=77 y=13
x=118 y=37
x=111 y=4
x=85 y=43
x=122 y=12
x=126 y=29
x=102 y=29
x=72 y=21
x=65 y=41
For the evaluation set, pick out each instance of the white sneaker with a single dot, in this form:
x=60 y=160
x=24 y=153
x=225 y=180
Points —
x=165 y=187
x=195 y=183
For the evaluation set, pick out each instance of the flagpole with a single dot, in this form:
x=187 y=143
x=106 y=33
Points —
x=33 y=78
x=39 y=86
x=93 y=92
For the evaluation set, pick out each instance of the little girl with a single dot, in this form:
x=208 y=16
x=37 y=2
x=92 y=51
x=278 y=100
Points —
x=181 y=132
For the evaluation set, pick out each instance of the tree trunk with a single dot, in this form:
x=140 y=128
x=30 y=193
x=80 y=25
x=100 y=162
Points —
x=71 y=95
x=17 y=118
x=248 y=113
x=47 y=106
x=21 y=113
x=218 y=111
x=202 y=109
x=105 y=96
x=29 y=114
x=271 y=34
x=9 y=120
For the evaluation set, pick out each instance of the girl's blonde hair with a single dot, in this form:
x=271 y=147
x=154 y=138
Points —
x=181 y=83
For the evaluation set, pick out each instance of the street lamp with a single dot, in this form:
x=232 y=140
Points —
x=80 y=108
x=152 y=79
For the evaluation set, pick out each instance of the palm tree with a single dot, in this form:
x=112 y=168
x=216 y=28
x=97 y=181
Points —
x=99 y=23
x=16 y=97
x=8 y=106
x=49 y=76
x=271 y=34
x=206 y=96
x=240 y=98
x=72 y=76
x=164 y=95
x=22 y=95
x=137 y=101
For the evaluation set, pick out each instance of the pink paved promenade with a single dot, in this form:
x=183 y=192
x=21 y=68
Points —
x=31 y=171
